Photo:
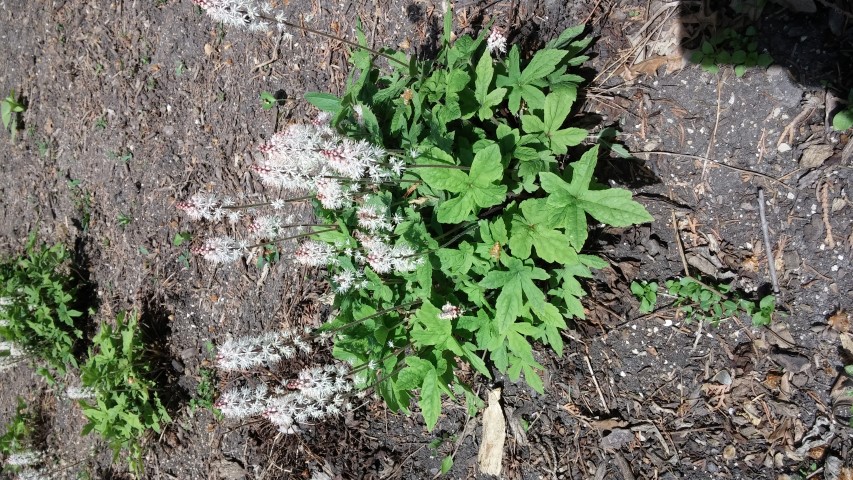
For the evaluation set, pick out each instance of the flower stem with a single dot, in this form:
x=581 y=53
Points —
x=339 y=39
x=374 y=315
x=281 y=239
x=455 y=167
x=264 y=204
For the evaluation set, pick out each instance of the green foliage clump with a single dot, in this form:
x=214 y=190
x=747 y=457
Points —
x=696 y=300
x=125 y=404
x=730 y=47
x=10 y=107
x=17 y=431
x=844 y=119
x=494 y=213
x=205 y=392
x=647 y=293
x=38 y=293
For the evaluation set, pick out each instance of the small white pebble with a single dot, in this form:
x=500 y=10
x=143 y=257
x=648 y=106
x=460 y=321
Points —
x=783 y=147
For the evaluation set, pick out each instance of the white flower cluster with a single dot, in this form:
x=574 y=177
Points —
x=271 y=227
x=79 y=393
x=317 y=392
x=209 y=207
x=313 y=253
x=221 y=249
x=386 y=258
x=262 y=350
x=243 y=402
x=26 y=462
x=449 y=312
x=316 y=158
x=348 y=279
x=24 y=458
x=496 y=42
x=30 y=474
x=243 y=14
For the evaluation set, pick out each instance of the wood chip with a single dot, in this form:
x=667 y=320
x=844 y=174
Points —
x=494 y=433
x=815 y=155
x=839 y=321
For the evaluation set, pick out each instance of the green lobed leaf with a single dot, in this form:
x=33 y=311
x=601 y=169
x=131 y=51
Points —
x=843 y=119
x=324 y=101
x=428 y=328
x=566 y=36
x=543 y=62
x=615 y=207
x=430 y=399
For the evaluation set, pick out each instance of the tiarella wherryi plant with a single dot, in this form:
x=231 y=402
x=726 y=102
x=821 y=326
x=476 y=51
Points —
x=450 y=224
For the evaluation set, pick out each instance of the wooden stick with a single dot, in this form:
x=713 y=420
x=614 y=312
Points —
x=771 y=263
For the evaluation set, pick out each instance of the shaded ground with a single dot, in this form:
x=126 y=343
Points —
x=134 y=105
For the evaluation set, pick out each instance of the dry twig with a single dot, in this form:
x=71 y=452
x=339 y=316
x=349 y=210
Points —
x=771 y=262
x=823 y=194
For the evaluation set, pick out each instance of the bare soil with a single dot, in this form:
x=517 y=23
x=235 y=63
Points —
x=132 y=106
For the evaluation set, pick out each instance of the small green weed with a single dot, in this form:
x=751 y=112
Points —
x=697 y=300
x=119 y=156
x=101 y=123
x=82 y=202
x=730 y=47
x=123 y=220
x=844 y=119
x=38 y=292
x=205 y=393
x=126 y=404
x=647 y=293
x=180 y=239
x=17 y=431
x=180 y=68
x=271 y=255
x=17 y=445
x=10 y=107
x=268 y=100
x=43 y=147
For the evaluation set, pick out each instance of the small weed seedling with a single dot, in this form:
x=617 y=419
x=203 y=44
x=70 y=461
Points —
x=844 y=119
x=82 y=202
x=16 y=445
x=182 y=238
x=271 y=256
x=647 y=293
x=730 y=47
x=10 y=107
x=17 y=431
x=37 y=293
x=101 y=123
x=123 y=220
x=205 y=393
x=119 y=156
x=268 y=100
x=697 y=300
x=126 y=404
x=43 y=146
